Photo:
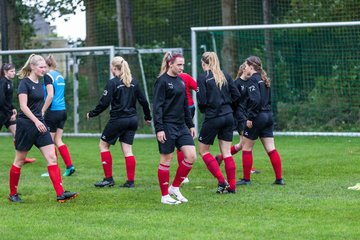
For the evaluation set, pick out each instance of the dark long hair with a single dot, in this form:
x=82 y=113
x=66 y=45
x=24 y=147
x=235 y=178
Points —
x=256 y=63
x=6 y=67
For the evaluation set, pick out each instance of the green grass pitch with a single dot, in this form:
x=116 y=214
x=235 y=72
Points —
x=314 y=204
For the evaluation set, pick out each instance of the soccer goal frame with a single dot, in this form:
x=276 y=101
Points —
x=212 y=29
x=75 y=53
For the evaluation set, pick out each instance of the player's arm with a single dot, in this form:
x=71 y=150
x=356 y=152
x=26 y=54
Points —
x=49 y=88
x=104 y=101
x=192 y=83
x=143 y=102
x=201 y=94
x=158 y=104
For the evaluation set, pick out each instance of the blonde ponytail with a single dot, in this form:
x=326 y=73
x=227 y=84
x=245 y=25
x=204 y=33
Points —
x=212 y=61
x=125 y=72
x=51 y=61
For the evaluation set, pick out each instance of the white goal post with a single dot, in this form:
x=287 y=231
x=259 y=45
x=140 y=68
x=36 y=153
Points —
x=210 y=29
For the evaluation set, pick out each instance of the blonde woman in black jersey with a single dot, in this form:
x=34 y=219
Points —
x=216 y=96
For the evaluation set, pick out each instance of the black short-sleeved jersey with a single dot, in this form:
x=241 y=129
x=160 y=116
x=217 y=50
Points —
x=214 y=101
x=6 y=96
x=170 y=103
x=122 y=100
x=35 y=94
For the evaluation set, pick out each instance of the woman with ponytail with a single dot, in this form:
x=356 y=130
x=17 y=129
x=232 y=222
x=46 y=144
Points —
x=217 y=95
x=259 y=123
x=54 y=110
x=174 y=127
x=240 y=115
x=121 y=92
x=32 y=130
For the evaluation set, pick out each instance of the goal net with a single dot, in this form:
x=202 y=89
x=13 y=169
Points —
x=314 y=70
x=86 y=71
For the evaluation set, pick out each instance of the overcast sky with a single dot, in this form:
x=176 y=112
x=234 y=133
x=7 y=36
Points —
x=74 y=28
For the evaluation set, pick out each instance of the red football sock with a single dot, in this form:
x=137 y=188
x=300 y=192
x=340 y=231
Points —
x=14 y=179
x=276 y=163
x=164 y=177
x=180 y=156
x=247 y=161
x=55 y=176
x=233 y=150
x=181 y=173
x=130 y=163
x=230 y=169
x=106 y=160
x=64 y=152
x=213 y=167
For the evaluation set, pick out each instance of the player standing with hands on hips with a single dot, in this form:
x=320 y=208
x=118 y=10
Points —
x=173 y=126
x=121 y=92
x=31 y=129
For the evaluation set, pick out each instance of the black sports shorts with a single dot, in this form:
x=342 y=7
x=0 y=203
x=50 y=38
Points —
x=28 y=135
x=5 y=120
x=176 y=136
x=221 y=126
x=263 y=126
x=121 y=128
x=55 y=119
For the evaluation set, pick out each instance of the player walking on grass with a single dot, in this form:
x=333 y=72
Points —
x=54 y=110
x=121 y=92
x=31 y=129
x=240 y=115
x=190 y=85
x=216 y=95
x=7 y=110
x=259 y=121
x=173 y=126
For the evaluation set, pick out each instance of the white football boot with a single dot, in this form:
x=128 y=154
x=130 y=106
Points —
x=175 y=192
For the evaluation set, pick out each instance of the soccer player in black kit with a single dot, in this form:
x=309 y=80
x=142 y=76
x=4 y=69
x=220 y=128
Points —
x=173 y=126
x=216 y=96
x=240 y=115
x=121 y=92
x=31 y=129
x=8 y=111
x=259 y=123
